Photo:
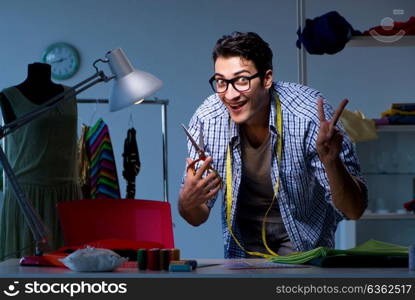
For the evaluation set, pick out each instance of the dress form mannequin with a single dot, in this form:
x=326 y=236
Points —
x=43 y=155
x=37 y=87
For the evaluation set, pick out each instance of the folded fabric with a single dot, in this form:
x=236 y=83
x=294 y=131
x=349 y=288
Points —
x=360 y=261
x=401 y=120
x=404 y=106
x=393 y=111
x=381 y=121
x=369 y=248
x=410 y=205
x=358 y=127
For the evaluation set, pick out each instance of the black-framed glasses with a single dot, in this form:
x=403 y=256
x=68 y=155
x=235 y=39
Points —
x=240 y=83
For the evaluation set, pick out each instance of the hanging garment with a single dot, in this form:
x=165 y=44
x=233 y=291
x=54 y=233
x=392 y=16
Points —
x=103 y=172
x=131 y=162
x=84 y=164
x=43 y=157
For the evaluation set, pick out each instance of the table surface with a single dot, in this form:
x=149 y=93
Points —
x=208 y=268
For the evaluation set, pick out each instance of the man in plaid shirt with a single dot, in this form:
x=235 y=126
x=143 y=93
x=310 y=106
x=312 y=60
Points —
x=298 y=178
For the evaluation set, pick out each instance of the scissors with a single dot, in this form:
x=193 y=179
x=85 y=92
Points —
x=200 y=151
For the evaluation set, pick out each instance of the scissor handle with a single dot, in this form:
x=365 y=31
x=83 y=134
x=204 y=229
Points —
x=209 y=169
x=193 y=164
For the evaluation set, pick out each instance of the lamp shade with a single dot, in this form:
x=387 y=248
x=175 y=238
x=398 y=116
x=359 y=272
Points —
x=130 y=85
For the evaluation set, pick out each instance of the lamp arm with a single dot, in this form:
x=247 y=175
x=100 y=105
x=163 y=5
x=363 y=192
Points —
x=32 y=218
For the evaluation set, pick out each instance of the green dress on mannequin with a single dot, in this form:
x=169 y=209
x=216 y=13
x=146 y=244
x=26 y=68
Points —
x=43 y=155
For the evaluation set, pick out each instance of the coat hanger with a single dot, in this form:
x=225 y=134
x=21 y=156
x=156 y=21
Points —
x=94 y=113
x=131 y=120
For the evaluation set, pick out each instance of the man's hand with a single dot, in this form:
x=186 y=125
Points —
x=347 y=194
x=197 y=191
x=329 y=140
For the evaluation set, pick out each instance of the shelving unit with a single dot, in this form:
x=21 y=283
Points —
x=396 y=128
x=369 y=41
x=388 y=216
x=351 y=232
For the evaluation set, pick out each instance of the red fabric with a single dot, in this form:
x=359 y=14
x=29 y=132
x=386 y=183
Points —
x=116 y=244
x=408 y=27
x=410 y=206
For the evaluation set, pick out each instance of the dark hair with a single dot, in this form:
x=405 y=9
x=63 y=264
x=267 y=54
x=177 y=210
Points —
x=247 y=45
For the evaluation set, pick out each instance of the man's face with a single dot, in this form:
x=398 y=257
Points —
x=246 y=107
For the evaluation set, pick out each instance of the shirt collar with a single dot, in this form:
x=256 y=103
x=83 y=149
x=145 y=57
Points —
x=273 y=111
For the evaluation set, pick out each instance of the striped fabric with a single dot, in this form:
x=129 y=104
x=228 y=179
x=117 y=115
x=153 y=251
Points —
x=103 y=172
x=304 y=197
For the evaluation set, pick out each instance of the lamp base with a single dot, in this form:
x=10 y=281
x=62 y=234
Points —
x=51 y=259
x=34 y=260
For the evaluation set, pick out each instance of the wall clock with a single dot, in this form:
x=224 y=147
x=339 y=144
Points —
x=64 y=60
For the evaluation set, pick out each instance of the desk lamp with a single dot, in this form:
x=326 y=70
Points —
x=131 y=86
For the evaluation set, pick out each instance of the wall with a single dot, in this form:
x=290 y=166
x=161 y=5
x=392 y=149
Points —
x=173 y=40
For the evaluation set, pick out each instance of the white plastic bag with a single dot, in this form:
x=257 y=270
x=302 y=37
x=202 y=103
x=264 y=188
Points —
x=92 y=259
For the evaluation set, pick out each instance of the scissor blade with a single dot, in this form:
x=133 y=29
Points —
x=191 y=139
x=201 y=140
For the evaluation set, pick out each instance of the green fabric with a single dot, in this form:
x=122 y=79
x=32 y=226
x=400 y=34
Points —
x=371 y=247
x=360 y=261
x=43 y=155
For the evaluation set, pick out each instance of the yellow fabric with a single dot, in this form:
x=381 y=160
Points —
x=393 y=111
x=358 y=127
x=278 y=122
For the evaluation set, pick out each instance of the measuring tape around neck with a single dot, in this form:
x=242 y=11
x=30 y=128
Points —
x=278 y=122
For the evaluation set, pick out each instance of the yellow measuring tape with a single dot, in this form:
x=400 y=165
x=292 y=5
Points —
x=278 y=122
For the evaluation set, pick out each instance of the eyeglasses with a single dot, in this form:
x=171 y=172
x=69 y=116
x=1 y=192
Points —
x=240 y=83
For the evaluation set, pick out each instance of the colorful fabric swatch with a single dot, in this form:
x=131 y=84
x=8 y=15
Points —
x=102 y=172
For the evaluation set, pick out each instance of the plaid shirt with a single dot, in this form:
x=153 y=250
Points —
x=304 y=197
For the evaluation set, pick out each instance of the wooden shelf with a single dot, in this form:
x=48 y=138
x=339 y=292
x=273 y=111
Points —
x=395 y=128
x=389 y=173
x=388 y=216
x=370 y=41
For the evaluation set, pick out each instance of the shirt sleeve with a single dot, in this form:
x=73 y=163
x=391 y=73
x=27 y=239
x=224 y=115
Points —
x=347 y=155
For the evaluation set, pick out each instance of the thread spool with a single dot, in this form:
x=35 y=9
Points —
x=153 y=262
x=174 y=254
x=142 y=259
x=165 y=259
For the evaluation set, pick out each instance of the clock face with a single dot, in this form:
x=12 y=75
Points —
x=64 y=60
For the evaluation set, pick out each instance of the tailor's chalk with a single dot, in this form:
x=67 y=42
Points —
x=190 y=262
x=180 y=268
